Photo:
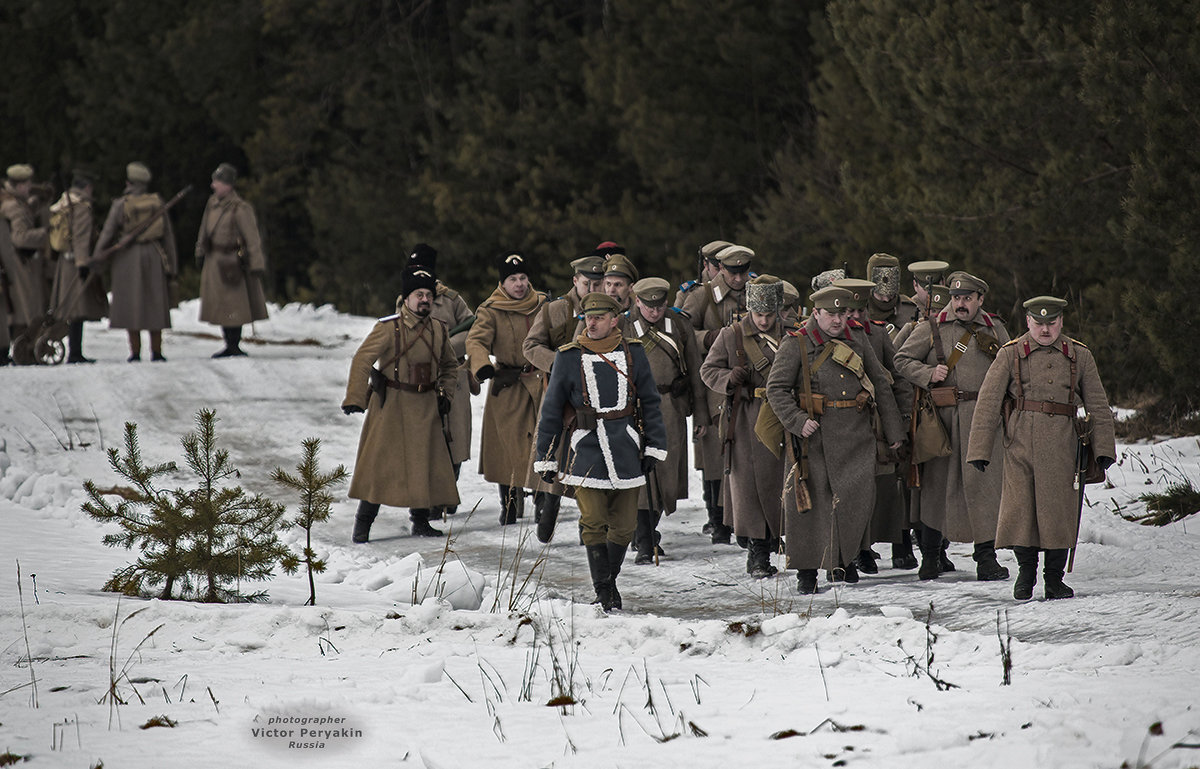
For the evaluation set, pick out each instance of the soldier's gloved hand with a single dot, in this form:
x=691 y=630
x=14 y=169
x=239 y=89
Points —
x=351 y=409
x=711 y=336
x=648 y=465
x=549 y=475
x=84 y=271
x=979 y=464
x=1105 y=462
x=485 y=372
x=443 y=405
x=738 y=375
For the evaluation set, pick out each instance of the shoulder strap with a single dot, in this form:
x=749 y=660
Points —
x=748 y=346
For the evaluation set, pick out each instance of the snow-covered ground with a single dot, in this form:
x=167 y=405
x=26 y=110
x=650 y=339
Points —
x=704 y=668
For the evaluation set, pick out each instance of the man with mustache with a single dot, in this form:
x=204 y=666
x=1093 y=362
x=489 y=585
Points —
x=949 y=356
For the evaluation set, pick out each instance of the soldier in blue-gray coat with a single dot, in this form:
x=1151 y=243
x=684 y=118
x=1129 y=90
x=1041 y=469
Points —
x=603 y=402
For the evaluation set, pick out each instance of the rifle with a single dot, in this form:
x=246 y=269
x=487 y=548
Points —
x=1082 y=436
x=732 y=401
x=142 y=227
x=913 y=472
x=464 y=326
x=445 y=423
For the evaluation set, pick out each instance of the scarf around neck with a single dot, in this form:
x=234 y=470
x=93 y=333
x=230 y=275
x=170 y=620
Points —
x=601 y=346
x=501 y=301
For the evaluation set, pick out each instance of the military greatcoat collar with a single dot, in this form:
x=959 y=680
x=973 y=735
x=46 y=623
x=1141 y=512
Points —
x=982 y=318
x=411 y=319
x=1026 y=345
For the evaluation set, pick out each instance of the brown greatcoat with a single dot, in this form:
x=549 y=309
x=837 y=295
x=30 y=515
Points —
x=402 y=456
x=71 y=299
x=670 y=347
x=1038 y=506
x=712 y=308
x=140 y=271
x=841 y=454
x=956 y=499
x=451 y=309
x=509 y=415
x=21 y=244
x=231 y=291
x=754 y=486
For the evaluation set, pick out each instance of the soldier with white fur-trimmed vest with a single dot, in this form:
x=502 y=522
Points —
x=602 y=400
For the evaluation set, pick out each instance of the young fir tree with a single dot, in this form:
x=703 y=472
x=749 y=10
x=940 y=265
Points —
x=315 y=503
x=202 y=540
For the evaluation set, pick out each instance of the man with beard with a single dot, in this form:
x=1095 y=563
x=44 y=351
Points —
x=823 y=388
x=738 y=367
x=494 y=352
x=615 y=436
x=1043 y=375
x=949 y=357
x=403 y=375
x=670 y=348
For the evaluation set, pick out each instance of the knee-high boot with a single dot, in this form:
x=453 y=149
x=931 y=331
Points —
x=616 y=556
x=931 y=553
x=597 y=556
x=1054 y=565
x=1027 y=561
x=363 y=520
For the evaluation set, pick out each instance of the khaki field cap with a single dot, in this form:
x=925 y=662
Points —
x=735 y=258
x=597 y=303
x=939 y=297
x=137 y=172
x=225 y=173
x=791 y=295
x=19 y=172
x=710 y=250
x=961 y=282
x=652 y=291
x=830 y=298
x=859 y=289
x=1044 y=307
x=933 y=268
x=618 y=265
x=591 y=265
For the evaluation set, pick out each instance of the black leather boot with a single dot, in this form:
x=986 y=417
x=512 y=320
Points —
x=902 y=552
x=1027 y=560
x=944 y=563
x=1054 y=565
x=866 y=562
x=512 y=499
x=363 y=520
x=616 y=556
x=931 y=553
x=987 y=568
x=597 y=556
x=420 y=523
x=712 y=498
x=75 y=343
x=806 y=581
x=758 y=559
x=547 y=506
x=847 y=574
x=233 y=341
x=643 y=539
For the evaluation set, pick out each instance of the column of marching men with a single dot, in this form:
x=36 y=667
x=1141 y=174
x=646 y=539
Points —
x=820 y=427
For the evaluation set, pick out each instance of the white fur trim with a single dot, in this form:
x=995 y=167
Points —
x=659 y=454
x=602 y=483
x=633 y=436
x=542 y=466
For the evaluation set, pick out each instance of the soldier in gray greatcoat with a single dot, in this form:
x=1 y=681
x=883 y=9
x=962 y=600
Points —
x=949 y=356
x=670 y=348
x=78 y=294
x=835 y=457
x=140 y=271
x=1044 y=376
x=737 y=367
x=22 y=242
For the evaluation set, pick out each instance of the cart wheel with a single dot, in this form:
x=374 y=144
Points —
x=49 y=351
x=22 y=351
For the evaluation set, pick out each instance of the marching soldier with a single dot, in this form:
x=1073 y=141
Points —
x=670 y=348
x=885 y=302
x=452 y=310
x=721 y=303
x=949 y=357
x=738 y=367
x=232 y=264
x=22 y=282
x=606 y=381
x=403 y=375
x=937 y=299
x=77 y=295
x=140 y=271
x=502 y=322
x=823 y=389
x=619 y=277
x=924 y=274
x=708 y=269
x=1044 y=375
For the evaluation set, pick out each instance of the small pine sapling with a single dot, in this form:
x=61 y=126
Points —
x=316 y=503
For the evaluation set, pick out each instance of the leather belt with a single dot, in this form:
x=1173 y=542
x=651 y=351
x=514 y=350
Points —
x=850 y=404
x=664 y=389
x=412 y=388
x=1045 y=407
x=966 y=395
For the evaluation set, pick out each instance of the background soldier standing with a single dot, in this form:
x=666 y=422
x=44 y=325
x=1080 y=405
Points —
x=404 y=375
x=78 y=295
x=230 y=255
x=1044 y=375
x=22 y=242
x=141 y=270
x=709 y=268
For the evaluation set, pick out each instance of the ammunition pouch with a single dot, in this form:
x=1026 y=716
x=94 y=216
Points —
x=817 y=400
x=507 y=376
x=950 y=396
x=680 y=386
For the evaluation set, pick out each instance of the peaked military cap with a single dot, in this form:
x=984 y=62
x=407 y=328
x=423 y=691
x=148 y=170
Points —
x=933 y=268
x=619 y=265
x=735 y=258
x=19 y=172
x=831 y=298
x=1045 y=307
x=417 y=276
x=764 y=294
x=598 y=303
x=939 y=297
x=137 y=172
x=961 y=282
x=791 y=295
x=652 y=291
x=591 y=265
x=225 y=173
x=859 y=290
x=424 y=255
x=511 y=263
x=709 y=250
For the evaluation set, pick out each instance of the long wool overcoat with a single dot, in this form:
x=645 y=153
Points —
x=670 y=348
x=753 y=490
x=956 y=499
x=1039 y=505
x=140 y=271
x=841 y=453
x=712 y=307
x=21 y=243
x=231 y=291
x=402 y=458
x=509 y=415
x=72 y=298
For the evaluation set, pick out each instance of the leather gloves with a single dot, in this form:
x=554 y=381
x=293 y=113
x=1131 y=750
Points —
x=738 y=375
x=485 y=372
x=549 y=475
x=648 y=465
x=352 y=409
x=1105 y=462
x=443 y=405
x=979 y=464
